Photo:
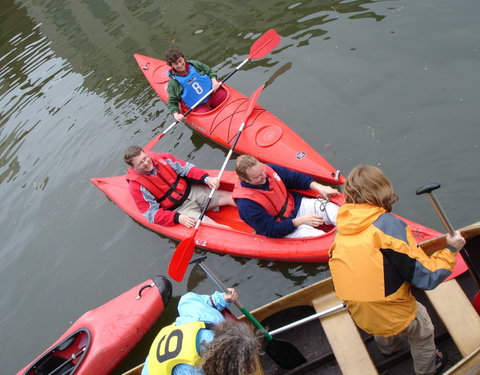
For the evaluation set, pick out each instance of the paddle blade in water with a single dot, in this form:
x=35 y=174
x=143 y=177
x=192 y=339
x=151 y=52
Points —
x=278 y=73
x=265 y=44
x=285 y=354
x=181 y=257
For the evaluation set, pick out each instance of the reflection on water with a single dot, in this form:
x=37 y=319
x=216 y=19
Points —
x=375 y=80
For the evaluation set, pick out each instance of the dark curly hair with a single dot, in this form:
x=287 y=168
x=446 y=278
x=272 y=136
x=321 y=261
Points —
x=233 y=351
x=173 y=55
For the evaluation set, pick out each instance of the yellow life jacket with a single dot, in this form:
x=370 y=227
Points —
x=174 y=345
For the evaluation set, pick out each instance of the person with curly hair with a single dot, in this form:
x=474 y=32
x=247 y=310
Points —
x=375 y=261
x=233 y=350
x=202 y=341
x=189 y=82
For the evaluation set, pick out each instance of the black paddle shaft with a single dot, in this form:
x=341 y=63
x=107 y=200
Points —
x=428 y=189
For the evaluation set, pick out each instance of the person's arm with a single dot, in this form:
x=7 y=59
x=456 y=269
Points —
x=409 y=260
x=293 y=179
x=265 y=224
x=432 y=270
x=324 y=190
x=220 y=300
x=205 y=69
x=199 y=307
x=149 y=207
x=186 y=169
x=301 y=181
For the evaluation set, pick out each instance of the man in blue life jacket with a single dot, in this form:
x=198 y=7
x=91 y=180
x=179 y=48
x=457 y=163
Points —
x=265 y=202
x=189 y=82
x=201 y=341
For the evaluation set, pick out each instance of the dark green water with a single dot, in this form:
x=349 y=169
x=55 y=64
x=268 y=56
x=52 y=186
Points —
x=390 y=83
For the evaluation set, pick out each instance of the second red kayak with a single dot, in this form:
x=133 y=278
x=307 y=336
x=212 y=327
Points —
x=265 y=136
x=238 y=238
x=101 y=338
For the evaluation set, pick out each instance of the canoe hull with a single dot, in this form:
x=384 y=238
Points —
x=264 y=136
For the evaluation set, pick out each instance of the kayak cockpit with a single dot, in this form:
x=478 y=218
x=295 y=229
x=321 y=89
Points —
x=65 y=357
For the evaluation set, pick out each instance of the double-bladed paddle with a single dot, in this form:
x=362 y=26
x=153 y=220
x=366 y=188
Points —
x=259 y=49
x=428 y=189
x=184 y=251
x=285 y=354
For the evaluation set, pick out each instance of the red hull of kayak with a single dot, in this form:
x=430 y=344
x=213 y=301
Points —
x=109 y=332
x=240 y=239
x=264 y=136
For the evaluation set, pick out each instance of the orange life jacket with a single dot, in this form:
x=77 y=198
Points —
x=277 y=201
x=169 y=189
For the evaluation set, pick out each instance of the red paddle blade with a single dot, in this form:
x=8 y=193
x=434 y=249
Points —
x=252 y=101
x=264 y=45
x=181 y=257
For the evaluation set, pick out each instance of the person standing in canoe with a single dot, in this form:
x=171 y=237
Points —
x=264 y=202
x=170 y=191
x=202 y=341
x=189 y=82
x=375 y=261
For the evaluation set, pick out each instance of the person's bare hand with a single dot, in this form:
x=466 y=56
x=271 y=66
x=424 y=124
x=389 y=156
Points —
x=231 y=296
x=313 y=220
x=457 y=241
x=213 y=182
x=178 y=116
x=186 y=220
x=324 y=190
x=215 y=84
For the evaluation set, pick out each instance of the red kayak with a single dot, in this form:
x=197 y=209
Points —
x=101 y=338
x=239 y=239
x=265 y=136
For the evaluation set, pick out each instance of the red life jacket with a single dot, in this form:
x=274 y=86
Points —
x=277 y=201
x=169 y=189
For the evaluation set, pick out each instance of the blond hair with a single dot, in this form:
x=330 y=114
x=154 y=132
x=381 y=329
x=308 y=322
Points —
x=368 y=184
x=244 y=162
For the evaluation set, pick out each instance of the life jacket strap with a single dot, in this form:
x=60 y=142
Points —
x=282 y=211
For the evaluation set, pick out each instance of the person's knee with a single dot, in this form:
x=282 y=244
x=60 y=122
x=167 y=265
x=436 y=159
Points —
x=226 y=199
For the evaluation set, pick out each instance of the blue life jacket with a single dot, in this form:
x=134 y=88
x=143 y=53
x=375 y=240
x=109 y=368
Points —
x=195 y=86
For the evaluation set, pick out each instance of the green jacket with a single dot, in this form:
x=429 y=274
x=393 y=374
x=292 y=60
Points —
x=175 y=89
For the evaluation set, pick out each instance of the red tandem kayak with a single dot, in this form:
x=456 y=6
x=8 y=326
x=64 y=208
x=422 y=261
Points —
x=265 y=136
x=239 y=239
x=101 y=338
